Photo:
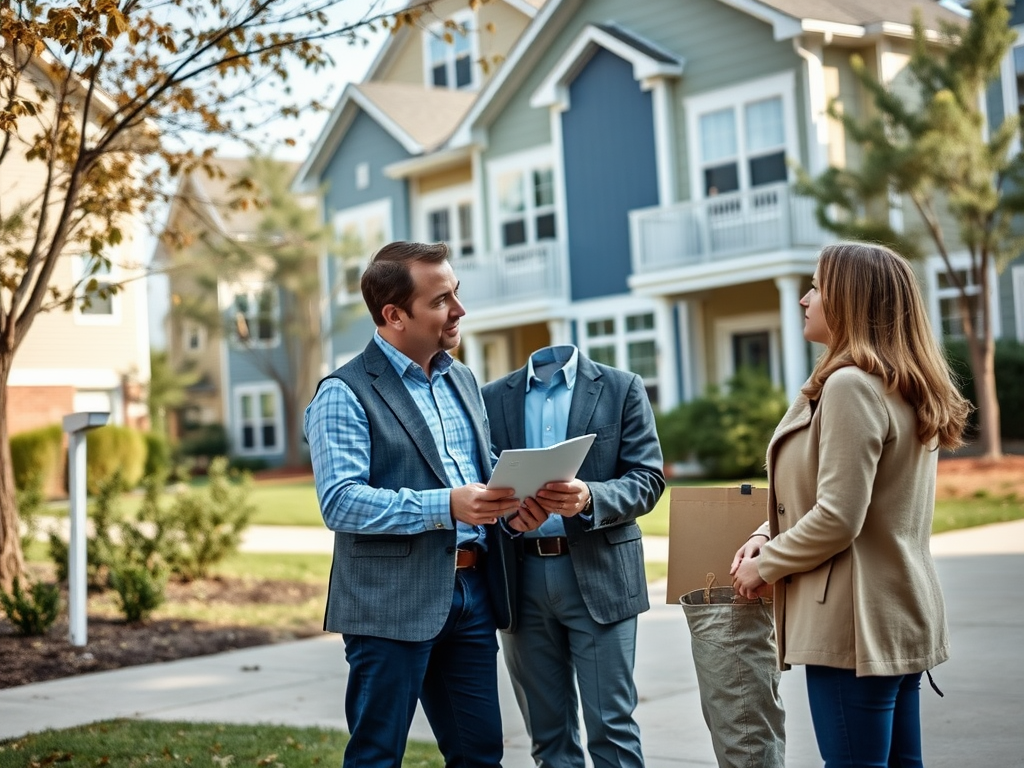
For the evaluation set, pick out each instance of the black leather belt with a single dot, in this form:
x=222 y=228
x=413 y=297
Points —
x=546 y=546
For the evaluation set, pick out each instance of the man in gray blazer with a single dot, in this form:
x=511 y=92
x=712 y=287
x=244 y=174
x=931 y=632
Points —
x=579 y=578
x=400 y=450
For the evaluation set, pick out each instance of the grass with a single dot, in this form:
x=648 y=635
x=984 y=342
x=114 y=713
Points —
x=124 y=743
x=981 y=509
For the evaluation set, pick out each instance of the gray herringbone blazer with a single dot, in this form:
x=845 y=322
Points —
x=624 y=471
x=401 y=586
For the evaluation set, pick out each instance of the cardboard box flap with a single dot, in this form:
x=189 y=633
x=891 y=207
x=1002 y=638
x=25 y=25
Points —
x=706 y=527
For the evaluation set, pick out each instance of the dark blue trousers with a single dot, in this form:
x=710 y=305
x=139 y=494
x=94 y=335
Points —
x=454 y=675
x=865 y=722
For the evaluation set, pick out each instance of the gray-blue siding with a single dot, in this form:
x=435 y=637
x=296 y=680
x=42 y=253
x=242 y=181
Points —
x=609 y=160
x=365 y=141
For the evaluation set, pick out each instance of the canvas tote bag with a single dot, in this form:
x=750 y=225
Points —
x=733 y=642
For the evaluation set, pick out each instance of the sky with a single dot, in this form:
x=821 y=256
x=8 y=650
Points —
x=351 y=65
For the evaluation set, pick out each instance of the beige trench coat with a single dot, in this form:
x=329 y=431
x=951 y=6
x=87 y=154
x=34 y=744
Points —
x=851 y=498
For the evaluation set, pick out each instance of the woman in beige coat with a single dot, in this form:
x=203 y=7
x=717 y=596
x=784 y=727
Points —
x=851 y=471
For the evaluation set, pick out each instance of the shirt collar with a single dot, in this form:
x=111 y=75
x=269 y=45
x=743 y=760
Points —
x=440 y=363
x=566 y=354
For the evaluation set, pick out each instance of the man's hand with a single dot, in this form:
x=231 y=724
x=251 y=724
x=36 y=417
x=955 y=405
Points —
x=476 y=504
x=528 y=517
x=565 y=499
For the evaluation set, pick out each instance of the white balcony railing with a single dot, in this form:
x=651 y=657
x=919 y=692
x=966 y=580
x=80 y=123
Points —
x=519 y=274
x=726 y=226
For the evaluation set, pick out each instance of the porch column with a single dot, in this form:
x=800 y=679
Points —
x=667 y=345
x=474 y=353
x=558 y=331
x=692 y=359
x=794 y=348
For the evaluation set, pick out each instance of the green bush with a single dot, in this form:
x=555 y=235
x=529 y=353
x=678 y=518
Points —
x=159 y=459
x=113 y=449
x=36 y=458
x=1009 y=369
x=30 y=502
x=206 y=441
x=32 y=613
x=140 y=590
x=101 y=549
x=727 y=431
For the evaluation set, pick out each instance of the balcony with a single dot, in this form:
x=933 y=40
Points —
x=765 y=219
x=512 y=280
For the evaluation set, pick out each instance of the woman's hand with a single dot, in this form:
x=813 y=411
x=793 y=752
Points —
x=746 y=579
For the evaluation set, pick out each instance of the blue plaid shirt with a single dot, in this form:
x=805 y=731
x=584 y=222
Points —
x=339 y=444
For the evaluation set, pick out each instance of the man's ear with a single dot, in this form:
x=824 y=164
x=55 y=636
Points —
x=393 y=316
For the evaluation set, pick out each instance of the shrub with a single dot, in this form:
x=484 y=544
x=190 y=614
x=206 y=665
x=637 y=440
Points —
x=727 y=431
x=140 y=590
x=1009 y=370
x=206 y=441
x=29 y=502
x=158 y=454
x=32 y=613
x=113 y=449
x=36 y=458
x=245 y=464
x=101 y=551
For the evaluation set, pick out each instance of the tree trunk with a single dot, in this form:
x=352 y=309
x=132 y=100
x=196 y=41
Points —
x=983 y=368
x=12 y=562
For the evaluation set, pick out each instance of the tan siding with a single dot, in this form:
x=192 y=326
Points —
x=450 y=177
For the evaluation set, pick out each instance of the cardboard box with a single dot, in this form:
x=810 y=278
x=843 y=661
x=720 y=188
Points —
x=705 y=528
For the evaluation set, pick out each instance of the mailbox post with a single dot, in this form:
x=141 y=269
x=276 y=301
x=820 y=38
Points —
x=76 y=425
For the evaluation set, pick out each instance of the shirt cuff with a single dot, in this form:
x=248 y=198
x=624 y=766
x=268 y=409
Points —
x=437 y=509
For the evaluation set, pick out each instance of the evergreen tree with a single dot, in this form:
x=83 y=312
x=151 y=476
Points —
x=932 y=151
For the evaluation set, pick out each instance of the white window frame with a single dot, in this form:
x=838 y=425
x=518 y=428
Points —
x=252 y=288
x=726 y=328
x=466 y=20
x=190 y=330
x=1011 y=98
x=78 y=268
x=524 y=163
x=256 y=391
x=780 y=85
x=935 y=266
x=620 y=338
x=357 y=217
x=451 y=200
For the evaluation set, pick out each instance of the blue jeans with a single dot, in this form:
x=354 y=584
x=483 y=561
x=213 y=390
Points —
x=865 y=722
x=454 y=676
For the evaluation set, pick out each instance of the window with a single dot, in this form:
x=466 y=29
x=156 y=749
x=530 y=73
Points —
x=452 y=224
x=741 y=136
x=193 y=336
x=948 y=295
x=255 y=315
x=259 y=425
x=96 y=299
x=526 y=206
x=625 y=341
x=748 y=341
x=360 y=231
x=450 y=50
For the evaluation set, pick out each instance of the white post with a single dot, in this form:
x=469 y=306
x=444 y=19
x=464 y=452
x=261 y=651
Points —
x=794 y=348
x=76 y=425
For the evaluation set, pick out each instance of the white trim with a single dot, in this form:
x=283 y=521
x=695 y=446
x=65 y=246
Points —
x=466 y=19
x=435 y=161
x=358 y=214
x=554 y=89
x=110 y=279
x=783 y=25
x=1008 y=77
x=664 y=142
x=667 y=352
x=817 y=104
x=755 y=322
x=524 y=162
x=255 y=390
x=252 y=287
x=781 y=85
x=1017 y=286
x=77 y=378
x=933 y=266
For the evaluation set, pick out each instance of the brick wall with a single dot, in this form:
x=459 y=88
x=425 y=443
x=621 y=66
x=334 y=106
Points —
x=34 y=407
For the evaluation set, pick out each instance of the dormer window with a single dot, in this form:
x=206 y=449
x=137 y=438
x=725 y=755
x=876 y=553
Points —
x=450 y=64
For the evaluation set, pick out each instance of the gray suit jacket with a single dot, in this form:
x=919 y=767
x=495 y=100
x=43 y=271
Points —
x=624 y=471
x=401 y=586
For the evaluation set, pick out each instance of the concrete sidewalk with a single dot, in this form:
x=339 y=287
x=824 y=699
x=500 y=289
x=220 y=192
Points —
x=978 y=723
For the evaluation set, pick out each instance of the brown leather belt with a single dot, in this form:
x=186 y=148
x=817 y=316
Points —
x=546 y=546
x=466 y=558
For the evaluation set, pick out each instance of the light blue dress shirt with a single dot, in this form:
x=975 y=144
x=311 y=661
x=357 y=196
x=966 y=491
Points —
x=550 y=379
x=338 y=432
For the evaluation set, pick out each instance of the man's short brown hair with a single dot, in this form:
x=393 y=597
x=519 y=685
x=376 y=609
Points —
x=387 y=279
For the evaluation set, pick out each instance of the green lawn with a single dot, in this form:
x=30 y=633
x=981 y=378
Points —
x=124 y=743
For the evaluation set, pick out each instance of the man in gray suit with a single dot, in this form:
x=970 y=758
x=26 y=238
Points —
x=579 y=578
x=400 y=449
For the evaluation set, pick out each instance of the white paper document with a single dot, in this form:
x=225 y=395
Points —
x=526 y=470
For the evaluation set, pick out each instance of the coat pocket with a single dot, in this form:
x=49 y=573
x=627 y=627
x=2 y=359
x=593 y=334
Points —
x=382 y=547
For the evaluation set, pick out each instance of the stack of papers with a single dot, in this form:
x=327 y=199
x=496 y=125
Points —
x=527 y=470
